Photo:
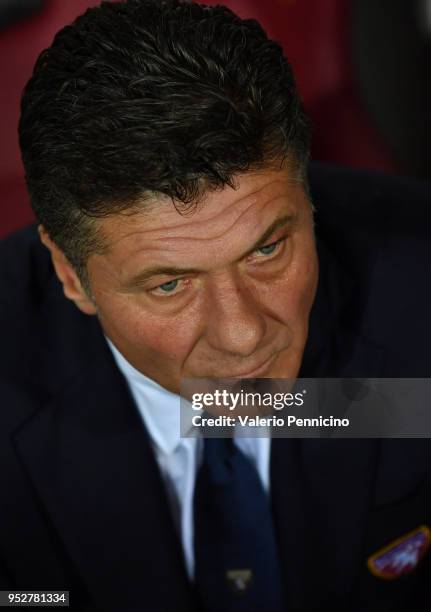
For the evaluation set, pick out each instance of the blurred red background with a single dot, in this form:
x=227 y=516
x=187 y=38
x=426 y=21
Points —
x=328 y=42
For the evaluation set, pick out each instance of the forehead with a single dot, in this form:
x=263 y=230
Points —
x=253 y=197
x=219 y=231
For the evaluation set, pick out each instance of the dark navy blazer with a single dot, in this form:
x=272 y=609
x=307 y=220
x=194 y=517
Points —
x=82 y=503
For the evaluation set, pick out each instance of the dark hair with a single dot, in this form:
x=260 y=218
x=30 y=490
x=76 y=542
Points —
x=152 y=96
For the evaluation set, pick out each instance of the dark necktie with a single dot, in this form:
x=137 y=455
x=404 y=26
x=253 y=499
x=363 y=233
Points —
x=236 y=564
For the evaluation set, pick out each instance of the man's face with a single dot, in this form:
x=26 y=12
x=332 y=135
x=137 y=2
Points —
x=223 y=291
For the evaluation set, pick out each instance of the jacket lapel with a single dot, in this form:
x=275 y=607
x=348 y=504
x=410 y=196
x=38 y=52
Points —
x=321 y=493
x=89 y=459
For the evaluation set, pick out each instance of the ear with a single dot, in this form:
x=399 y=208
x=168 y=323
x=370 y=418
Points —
x=72 y=287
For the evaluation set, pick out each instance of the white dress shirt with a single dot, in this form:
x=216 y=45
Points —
x=179 y=457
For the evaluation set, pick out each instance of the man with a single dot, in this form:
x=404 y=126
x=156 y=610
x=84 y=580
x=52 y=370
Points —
x=165 y=151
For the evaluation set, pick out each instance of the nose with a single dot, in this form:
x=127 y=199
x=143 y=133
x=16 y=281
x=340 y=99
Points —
x=235 y=322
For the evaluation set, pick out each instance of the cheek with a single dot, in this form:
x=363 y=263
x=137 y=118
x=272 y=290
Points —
x=146 y=332
x=305 y=269
x=307 y=275
x=290 y=298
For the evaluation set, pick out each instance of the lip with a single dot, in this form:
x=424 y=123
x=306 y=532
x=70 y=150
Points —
x=261 y=369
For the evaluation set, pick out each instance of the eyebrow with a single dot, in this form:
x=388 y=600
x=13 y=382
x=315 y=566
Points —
x=145 y=275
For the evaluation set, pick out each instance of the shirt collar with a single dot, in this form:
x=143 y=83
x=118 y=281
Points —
x=159 y=408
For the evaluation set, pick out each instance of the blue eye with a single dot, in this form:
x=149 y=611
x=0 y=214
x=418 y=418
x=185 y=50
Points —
x=170 y=286
x=268 y=249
